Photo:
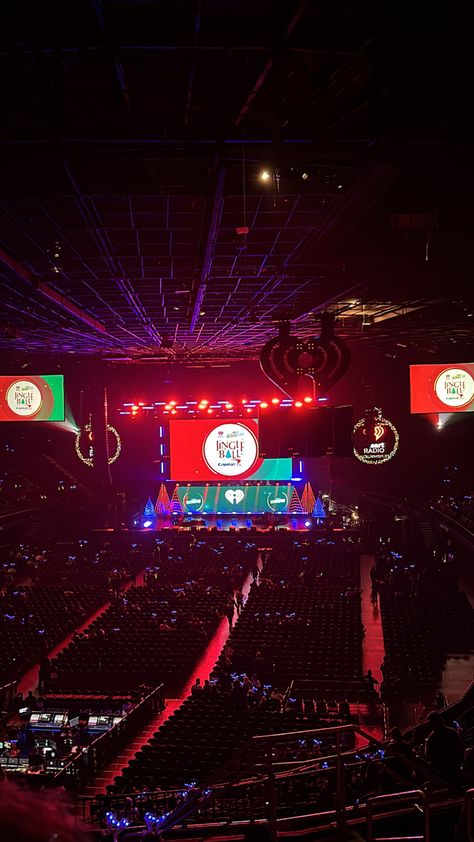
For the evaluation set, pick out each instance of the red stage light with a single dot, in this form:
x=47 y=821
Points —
x=203 y=402
x=210 y=411
x=298 y=404
x=307 y=399
x=172 y=403
x=167 y=407
x=229 y=406
x=134 y=408
x=173 y=412
x=276 y=401
x=249 y=409
x=244 y=400
x=263 y=405
x=141 y=403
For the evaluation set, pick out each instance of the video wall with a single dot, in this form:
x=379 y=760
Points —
x=442 y=388
x=32 y=397
x=253 y=499
x=227 y=449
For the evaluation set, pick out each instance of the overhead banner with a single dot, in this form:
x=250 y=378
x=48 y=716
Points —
x=209 y=449
x=442 y=388
x=32 y=398
x=223 y=499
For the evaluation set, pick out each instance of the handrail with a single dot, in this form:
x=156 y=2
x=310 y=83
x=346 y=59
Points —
x=414 y=795
x=91 y=758
x=468 y=807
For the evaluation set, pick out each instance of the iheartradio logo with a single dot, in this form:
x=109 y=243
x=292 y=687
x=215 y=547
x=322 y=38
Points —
x=234 y=496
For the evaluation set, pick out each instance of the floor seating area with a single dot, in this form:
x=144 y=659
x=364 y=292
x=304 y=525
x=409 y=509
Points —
x=34 y=619
x=305 y=608
x=303 y=622
x=147 y=635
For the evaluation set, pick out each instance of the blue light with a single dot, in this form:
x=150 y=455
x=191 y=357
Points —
x=296 y=479
x=301 y=466
x=147 y=524
x=307 y=523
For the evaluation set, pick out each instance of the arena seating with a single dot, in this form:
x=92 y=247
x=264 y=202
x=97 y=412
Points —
x=304 y=619
x=419 y=632
x=33 y=620
x=148 y=635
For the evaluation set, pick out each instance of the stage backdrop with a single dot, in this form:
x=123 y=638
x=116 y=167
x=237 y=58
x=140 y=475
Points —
x=227 y=449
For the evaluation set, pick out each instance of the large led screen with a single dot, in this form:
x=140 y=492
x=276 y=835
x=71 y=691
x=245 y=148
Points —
x=442 y=388
x=209 y=450
x=30 y=397
x=251 y=499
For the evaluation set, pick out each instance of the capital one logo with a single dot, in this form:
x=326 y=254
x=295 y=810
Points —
x=455 y=387
x=230 y=449
x=234 y=496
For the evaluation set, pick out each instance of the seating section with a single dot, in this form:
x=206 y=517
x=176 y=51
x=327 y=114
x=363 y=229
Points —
x=303 y=623
x=209 y=738
x=148 y=635
x=306 y=605
x=419 y=632
x=33 y=620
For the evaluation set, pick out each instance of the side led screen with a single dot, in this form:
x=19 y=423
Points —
x=223 y=500
x=32 y=398
x=442 y=388
x=226 y=449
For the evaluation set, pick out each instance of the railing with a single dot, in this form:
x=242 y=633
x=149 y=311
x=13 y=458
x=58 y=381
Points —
x=413 y=796
x=94 y=757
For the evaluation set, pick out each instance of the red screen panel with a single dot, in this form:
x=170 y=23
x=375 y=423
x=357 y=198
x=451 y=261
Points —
x=211 y=449
x=442 y=388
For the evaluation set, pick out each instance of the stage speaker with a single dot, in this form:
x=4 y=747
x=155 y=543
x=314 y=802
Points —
x=309 y=432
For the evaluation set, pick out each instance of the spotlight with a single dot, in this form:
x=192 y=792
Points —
x=210 y=411
x=298 y=404
x=172 y=403
x=203 y=402
x=307 y=523
x=304 y=176
x=263 y=405
x=229 y=406
x=307 y=399
x=275 y=401
x=264 y=175
x=147 y=524
x=167 y=407
x=173 y=412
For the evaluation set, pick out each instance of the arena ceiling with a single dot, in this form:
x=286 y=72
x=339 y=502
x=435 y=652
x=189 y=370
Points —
x=134 y=223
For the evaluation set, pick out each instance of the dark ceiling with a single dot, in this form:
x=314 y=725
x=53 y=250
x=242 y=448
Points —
x=133 y=135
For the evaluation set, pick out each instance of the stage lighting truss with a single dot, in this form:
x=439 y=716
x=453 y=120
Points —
x=374 y=450
x=87 y=431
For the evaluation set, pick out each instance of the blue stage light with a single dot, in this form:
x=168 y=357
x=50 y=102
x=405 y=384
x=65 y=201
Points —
x=147 y=524
x=307 y=523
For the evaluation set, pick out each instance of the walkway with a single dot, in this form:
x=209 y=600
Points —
x=373 y=649
x=202 y=670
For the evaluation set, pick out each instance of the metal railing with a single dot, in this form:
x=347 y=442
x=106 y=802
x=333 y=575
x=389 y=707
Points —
x=413 y=796
x=94 y=757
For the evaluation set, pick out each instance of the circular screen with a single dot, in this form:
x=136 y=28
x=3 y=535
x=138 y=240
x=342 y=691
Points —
x=230 y=449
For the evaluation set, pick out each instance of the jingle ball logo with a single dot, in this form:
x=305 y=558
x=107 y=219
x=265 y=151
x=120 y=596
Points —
x=24 y=398
x=230 y=449
x=454 y=387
